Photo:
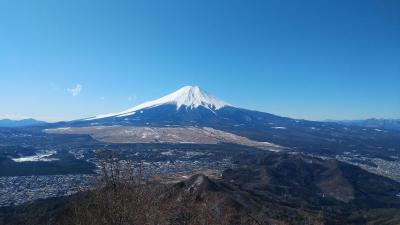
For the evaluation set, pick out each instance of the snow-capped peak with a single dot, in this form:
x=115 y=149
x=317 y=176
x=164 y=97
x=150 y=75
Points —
x=187 y=96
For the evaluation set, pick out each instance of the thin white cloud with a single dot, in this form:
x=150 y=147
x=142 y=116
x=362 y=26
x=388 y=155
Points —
x=76 y=90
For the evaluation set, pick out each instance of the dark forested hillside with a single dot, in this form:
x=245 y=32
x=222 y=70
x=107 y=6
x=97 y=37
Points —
x=268 y=188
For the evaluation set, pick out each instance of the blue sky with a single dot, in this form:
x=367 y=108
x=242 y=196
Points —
x=68 y=59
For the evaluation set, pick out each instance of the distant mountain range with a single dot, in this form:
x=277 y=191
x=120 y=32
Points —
x=392 y=124
x=193 y=107
x=20 y=123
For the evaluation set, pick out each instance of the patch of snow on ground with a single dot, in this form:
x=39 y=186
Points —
x=170 y=152
x=64 y=128
x=39 y=157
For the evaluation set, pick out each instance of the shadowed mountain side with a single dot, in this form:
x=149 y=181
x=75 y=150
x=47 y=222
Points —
x=268 y=188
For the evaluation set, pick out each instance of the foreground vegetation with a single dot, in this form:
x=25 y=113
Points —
x=265 y=189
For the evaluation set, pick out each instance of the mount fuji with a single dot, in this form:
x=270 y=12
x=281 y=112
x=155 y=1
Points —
x=191 y=107
x=187 y=97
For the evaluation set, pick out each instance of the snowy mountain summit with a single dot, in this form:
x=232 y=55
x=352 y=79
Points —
x=190 y=97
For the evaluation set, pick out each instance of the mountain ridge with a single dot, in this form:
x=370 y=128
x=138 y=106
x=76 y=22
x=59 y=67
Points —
x=20 y=123
x=327 y=138
x=393 y=124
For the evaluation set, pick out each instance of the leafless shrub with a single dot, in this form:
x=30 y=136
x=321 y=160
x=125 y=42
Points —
x=122 y=197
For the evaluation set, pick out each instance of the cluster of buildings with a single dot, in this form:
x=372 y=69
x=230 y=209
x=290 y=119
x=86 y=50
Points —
x=387 y=168
x=21 y=189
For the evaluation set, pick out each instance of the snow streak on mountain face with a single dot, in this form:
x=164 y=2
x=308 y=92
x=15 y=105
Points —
x=188 y=96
